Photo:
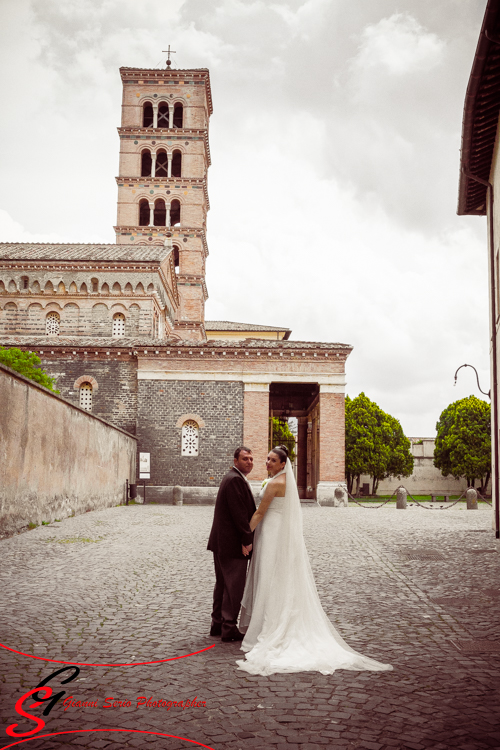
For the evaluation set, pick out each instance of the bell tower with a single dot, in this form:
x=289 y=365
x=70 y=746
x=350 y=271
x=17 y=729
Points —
x=162 y=182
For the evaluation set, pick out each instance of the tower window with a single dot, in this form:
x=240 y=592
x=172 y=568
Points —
x=176 y=258
x=176 y=164
x=160 y=213
x=178 y=116
x=189 y=439
x=52 y=324
x=147 y=116
x=118 y=325
x=144 y=213
x=86 y=396
x=175 y=213
x=95 y=285
x=24 y=282
x=161 y=164
x=163 y=115
x=146 y=163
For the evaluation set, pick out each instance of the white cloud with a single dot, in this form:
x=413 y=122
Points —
x=399 y=45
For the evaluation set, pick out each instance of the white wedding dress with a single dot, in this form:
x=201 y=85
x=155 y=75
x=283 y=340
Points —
x=286 y=629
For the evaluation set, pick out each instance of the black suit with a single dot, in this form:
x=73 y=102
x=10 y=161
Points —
x=234 y=508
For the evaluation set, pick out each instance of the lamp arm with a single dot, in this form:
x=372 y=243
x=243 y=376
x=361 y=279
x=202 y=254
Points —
x=477 y=378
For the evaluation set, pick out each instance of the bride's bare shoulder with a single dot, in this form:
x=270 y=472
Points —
x=280 y=485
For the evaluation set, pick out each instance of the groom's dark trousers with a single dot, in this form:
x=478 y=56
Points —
x=234 y=508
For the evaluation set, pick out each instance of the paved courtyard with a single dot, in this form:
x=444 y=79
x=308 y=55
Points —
x=415 y=588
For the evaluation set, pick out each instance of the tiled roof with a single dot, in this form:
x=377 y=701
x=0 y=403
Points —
x=63 y=251
x=53 y=342
x=480 y=118
x=227 y=325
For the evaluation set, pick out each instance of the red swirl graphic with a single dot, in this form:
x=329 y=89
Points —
x=84 y=664
x=136 y=731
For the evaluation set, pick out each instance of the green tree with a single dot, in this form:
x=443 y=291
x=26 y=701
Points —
x=375 y=443
x=282 y=435
x=463 y=441
x=27 y=363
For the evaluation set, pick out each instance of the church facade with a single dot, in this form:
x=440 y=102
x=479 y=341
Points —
x=122 y=326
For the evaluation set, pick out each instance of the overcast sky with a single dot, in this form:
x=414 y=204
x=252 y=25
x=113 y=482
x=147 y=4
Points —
x=335 y=147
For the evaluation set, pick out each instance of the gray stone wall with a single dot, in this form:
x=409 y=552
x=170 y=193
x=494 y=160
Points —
x=58 y=459
x=160 y=405
x=115 y=398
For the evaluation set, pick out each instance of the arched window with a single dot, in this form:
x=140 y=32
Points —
x=161 y=164
x=189 y=440
x=118 y=325
x=86 y=396
x=176 y=258
x=95 y=284
x=178 y=116
x=160 y=213
x=176 y=164
x=147 y=115
x=175 y=213
x=163 y=115
x=146 y=163
x=52 y=324
x=24 y=282
x=143 y=213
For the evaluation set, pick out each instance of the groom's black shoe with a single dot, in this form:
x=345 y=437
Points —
x=216 y=629
x=233 y=636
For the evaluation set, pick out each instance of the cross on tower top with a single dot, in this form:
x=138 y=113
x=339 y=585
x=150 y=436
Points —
x=169 y=52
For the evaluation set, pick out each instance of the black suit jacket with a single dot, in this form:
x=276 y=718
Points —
x=234 y=508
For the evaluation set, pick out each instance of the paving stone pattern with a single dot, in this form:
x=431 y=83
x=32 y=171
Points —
x=133 y=584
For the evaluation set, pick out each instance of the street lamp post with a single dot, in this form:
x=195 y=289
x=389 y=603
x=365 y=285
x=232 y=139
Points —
x=494 y=450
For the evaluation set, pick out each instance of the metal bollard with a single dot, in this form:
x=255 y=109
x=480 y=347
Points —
x=471 y=496
x=177 y=495
x=401 y=498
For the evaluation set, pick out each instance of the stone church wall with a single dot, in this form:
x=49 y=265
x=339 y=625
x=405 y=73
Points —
x=61 y=459
x=162 y=403
x=115 y=398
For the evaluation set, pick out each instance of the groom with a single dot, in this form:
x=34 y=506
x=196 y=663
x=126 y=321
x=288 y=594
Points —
x=231 y=542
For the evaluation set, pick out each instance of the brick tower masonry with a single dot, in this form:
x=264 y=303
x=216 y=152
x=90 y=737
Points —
x=122 y=327
x=162 y=185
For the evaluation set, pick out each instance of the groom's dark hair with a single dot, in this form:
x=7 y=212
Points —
x=239 y=449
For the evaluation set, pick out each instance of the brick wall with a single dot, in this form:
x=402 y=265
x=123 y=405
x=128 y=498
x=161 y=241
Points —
x=256 y=430
x=218 y=404
x=332 y=437
x=116 y=396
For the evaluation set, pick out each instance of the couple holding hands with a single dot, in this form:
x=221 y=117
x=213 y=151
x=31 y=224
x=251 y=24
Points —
x=282 y=625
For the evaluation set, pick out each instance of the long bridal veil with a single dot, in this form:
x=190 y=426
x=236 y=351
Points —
x=296 y=634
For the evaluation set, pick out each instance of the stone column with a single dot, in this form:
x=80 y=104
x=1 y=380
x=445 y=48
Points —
x=302 y=457
x=171 y=116
x=167 y=218
x=151 y=214
x=155 y=115
x=332 y=446
x=153 y=164
x=169 y=172
x=256 y=427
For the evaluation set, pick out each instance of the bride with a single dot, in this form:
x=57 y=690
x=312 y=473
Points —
x=286 y=629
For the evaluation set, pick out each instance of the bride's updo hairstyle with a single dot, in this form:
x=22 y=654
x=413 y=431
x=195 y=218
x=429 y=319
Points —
x=282 y=452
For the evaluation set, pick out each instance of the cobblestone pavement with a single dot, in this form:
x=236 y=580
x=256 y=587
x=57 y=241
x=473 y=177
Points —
x=134 y=584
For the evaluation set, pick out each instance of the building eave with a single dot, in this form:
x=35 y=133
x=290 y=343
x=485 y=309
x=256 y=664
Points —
x=480 y=117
